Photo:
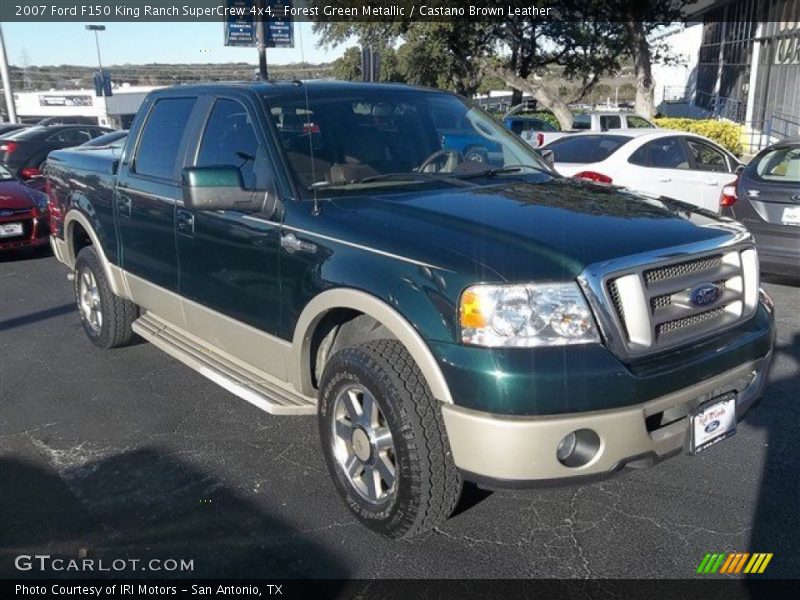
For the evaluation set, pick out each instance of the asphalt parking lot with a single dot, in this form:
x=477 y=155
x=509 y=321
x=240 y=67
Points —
x=128 y=453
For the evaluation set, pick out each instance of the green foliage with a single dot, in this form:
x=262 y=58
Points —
x=725 y=133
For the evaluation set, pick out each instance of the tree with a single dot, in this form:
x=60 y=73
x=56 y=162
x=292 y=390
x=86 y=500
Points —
x=348 y=66
x=639 y=21
x=446 y=54
x=580 y=48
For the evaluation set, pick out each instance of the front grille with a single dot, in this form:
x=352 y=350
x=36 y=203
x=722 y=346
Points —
x=659 y=306
x=679 y=324
x=681 y=269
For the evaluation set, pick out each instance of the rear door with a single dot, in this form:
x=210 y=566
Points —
x=662 y=167
x=769 y=199
x=148 y=188
x=714 y=168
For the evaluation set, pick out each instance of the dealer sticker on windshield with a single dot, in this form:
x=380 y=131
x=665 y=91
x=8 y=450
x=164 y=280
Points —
x=712 y=423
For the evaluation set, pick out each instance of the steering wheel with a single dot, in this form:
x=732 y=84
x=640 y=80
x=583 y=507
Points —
x=452 y=158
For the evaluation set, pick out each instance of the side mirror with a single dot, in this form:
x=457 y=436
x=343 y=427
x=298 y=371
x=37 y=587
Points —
x=549 y=157
x=739 y=169
x=219 y=188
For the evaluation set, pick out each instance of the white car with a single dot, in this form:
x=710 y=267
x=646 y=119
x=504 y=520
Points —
x=660 y=162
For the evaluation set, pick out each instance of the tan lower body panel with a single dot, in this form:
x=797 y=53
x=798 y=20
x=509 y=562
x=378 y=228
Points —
x=524 y=448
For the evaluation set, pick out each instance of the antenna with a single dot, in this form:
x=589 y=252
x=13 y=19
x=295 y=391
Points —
x=316 y=210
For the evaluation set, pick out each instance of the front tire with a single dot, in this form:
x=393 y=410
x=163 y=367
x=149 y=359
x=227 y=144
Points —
x=106 y=318
x=384 y=440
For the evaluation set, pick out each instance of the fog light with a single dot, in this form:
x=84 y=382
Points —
x=566 y=446
x=578 y=448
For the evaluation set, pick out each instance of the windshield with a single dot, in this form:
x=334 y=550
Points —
x=351 y=139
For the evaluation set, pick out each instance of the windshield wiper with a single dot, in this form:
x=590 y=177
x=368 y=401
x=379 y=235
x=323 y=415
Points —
x=392 y=177
x=498 y=171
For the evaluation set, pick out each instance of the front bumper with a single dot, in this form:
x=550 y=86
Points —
x=499 y=451
x=35 y=233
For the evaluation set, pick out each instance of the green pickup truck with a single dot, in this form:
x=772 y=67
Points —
x=312 y=248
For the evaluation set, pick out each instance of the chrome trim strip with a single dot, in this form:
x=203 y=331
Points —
x=134 y=191
x=350 y=244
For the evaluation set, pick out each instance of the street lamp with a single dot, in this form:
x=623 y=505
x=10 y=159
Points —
x=97 y=28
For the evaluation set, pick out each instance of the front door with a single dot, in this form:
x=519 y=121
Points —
x=228 y=259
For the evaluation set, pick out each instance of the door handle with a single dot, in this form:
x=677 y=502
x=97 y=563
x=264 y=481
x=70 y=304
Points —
x=712 y=182
x=665 y=180
x=184 y=222
x=124 y=205
x=291 y=244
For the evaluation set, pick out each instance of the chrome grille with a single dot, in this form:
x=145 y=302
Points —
x=681 y=269
x=657 y=306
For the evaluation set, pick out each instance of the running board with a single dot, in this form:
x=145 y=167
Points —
x=258 y=388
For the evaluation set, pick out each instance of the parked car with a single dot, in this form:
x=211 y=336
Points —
x=444 y=320
x=113 y=138
x=593 y=121
x=68 y=120
x=660 y=162
x=9 y=127
x=24 y=152
x=24 y=214
x=766 y=199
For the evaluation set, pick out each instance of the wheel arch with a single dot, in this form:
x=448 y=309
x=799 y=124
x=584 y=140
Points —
x=75 y=222
x=359 y=302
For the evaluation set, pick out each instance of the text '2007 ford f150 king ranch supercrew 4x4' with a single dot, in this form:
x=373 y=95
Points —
x=312 y=248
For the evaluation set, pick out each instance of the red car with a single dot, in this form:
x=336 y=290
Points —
x=24 y=214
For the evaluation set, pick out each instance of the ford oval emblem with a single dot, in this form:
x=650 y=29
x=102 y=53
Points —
x=705 y=294
x=712 y=427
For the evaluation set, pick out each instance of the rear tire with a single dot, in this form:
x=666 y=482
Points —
x=393 y=467
x=106 y=318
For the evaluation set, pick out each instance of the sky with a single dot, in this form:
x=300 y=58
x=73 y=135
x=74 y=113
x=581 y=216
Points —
x=69 y=43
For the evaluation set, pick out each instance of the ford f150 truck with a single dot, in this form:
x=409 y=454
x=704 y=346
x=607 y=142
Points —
x=446 y=320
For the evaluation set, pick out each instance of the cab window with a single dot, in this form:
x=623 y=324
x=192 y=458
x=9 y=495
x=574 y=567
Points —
x=230 y=139
x=160 y=140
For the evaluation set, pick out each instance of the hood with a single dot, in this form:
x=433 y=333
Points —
x=16 y=196
x=533 y=231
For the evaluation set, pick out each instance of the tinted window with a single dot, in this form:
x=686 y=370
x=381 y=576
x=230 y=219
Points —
x=635 y=122
x=665 y=153
x=339 y=139
x=71 y=136
x=516 y=127
x=161 y=137
x=582 y=121
x=706 y=157
x=230 y=140
x=780 y=165
x=586 y=148
x=610 y=122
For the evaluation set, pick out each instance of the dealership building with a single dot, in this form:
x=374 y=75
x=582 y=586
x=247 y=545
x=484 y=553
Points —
x=738 y=60
x=116 y=110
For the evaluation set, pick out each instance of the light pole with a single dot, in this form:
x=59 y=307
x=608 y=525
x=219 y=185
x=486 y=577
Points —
x=12 y=113
x=97 y=29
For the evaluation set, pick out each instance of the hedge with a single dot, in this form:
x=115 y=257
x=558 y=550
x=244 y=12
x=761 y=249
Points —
x=725 y=133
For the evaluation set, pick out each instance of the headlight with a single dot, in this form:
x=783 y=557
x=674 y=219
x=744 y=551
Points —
x=551 y=314
x=41 y=202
